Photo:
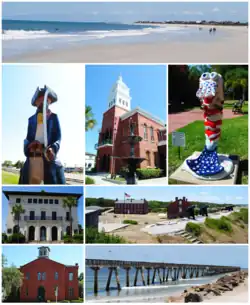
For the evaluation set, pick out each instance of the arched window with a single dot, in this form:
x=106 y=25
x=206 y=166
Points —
x=39 y=276
x=44 y=276
x=56 y=275
x=145 y=132
x=152 y=133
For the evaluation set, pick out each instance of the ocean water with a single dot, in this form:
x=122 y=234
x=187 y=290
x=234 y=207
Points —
x=139 y=293
x=20 y=37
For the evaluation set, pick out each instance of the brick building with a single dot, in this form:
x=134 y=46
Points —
x=178 y=208
x=43 y=277
x=118 y=122
x=131 y=206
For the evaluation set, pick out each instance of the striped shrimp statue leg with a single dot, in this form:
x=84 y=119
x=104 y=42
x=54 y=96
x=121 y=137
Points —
x=211 y=95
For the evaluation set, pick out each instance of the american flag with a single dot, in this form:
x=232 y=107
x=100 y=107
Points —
x=126 y=195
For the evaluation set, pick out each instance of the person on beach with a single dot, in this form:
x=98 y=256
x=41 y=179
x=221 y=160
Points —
x=42 y=143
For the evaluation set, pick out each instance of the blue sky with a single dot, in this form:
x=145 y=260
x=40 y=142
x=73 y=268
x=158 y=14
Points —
x=19 y=85
x=220 y=194
x=232 y=255
x=126 y=12
x=68 y=189
x=147 y=88
x=67 y=255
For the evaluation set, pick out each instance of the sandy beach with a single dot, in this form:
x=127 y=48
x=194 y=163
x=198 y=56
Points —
x=231 y=48
x=238 y=295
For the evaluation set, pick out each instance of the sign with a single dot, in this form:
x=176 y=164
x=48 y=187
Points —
x=178 y=139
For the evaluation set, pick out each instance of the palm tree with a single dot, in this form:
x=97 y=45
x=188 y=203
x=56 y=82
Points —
x=70 y=202
x=16 y=211
x=90 y=122
x=237 y=78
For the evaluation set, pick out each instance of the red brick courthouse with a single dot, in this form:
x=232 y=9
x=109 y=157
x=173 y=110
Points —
x=43 y=276
x=116 y=126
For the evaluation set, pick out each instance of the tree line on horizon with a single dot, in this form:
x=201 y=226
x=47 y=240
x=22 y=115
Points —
x=154 y=205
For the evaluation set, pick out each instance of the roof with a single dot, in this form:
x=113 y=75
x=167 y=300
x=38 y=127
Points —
x=89 y=154
x=134 y=201
x=144 y=113
x=42 y=194
x=48 y=259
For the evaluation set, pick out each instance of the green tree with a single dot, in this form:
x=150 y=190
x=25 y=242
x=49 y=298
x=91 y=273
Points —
x=17 y=211
x=90 y=122
x=195 y=71
x=7 y=163
x=237 y=79
x=12 y=280
x=19 y=164
x=80 y=277
x=70 y=202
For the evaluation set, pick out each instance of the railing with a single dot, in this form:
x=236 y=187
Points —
x=118 y=263
x=104 y=142
x=43 y=218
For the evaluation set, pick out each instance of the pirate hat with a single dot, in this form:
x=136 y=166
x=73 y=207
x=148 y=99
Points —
x=41 y=92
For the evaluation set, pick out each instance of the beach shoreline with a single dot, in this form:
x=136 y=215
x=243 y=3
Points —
x=213 y=51
x=238 y=294
x=229 y=288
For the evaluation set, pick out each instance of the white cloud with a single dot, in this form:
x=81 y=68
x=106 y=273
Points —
x=216 y=9
x=239 y=198
x=95 y=13
x=193 y=13
x=203 y=193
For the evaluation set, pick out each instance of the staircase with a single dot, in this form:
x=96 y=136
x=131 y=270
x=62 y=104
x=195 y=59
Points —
x=188 y=236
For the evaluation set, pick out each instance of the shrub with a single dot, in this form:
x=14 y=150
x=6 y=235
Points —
x=147 y=173
x=131 y=222
x=4 y=238
x=77 y=301
x=94 y=237
x=16 y=238
x=78 y=238
x=89 y=180
x=221 y=224
x=123 y=171
x=194 y=228
x=68 y=239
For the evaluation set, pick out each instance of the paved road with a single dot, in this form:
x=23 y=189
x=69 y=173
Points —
x=179 y=120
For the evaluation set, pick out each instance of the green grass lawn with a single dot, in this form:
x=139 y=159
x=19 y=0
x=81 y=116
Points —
x=234 y=141
x=9 y=178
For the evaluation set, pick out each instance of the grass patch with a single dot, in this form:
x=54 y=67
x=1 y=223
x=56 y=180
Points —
x=95 y=237
x=241 y=216
x=194 y=228
x=130 y=222
x=222 y=224
x=234 y=141
x=9 y=178
x=89 y=180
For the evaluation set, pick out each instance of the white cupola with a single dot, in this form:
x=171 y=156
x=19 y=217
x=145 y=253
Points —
x=120 y=95
x=43 y=252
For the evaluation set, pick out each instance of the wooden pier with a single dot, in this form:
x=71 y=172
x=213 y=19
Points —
x=163 y=272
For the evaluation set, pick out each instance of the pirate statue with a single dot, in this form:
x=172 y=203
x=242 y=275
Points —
x=42 y=143
x=209 y=165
